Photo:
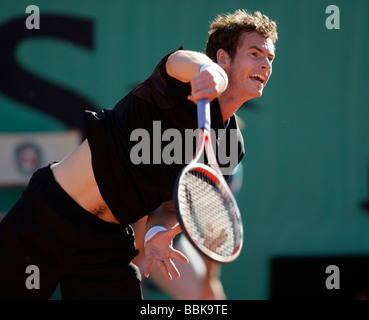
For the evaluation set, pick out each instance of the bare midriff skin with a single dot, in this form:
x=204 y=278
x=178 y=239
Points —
x=75 y=175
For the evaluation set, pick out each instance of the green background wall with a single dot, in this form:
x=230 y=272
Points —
x=307 y=152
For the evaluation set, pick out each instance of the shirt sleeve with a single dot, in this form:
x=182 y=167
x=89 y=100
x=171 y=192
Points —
x=163 y=90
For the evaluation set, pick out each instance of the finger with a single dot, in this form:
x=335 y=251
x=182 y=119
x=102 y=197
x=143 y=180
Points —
x=191 y=98
x=202 y=85
x=171 y=267
x=208 y=81
x=179 y=255
x=164 y=270
x=210 y=93
x=202 y=89
x=148 y=266
x=205 y=76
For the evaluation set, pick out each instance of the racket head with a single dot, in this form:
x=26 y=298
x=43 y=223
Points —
x=208 y=213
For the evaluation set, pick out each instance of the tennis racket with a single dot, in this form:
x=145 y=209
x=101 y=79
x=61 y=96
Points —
x=205 y=206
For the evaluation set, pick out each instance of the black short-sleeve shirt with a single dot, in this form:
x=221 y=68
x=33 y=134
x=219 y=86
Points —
x=132 y=189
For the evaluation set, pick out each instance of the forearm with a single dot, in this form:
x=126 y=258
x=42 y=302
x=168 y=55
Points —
x=184 y=65
x=164 y=215
x=207 y=78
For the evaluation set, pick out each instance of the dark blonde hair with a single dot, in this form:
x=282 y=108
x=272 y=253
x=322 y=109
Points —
x=225 y=31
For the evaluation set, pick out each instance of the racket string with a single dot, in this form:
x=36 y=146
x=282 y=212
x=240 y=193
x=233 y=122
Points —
x=208 y=213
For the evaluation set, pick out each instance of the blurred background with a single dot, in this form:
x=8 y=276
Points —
x=305 y=192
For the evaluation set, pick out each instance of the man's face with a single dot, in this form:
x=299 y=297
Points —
x=251 y=67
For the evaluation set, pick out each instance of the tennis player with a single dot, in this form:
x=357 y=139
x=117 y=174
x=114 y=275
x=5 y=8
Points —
x=73 y=220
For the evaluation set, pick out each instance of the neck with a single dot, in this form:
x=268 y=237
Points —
x=229 y=104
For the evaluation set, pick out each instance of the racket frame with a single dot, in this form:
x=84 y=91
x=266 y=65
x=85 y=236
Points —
x=204 y=145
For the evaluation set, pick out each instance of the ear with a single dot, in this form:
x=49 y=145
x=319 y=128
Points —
x=223 y=58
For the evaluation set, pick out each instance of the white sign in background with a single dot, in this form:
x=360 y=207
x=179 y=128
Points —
x=21 y=154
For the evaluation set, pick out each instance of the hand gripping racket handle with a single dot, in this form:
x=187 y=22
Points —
x=203 y=114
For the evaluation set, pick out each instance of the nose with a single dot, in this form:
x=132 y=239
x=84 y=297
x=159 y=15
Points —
x=266 y=64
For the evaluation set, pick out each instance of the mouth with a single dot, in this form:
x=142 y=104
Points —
x=259 y=78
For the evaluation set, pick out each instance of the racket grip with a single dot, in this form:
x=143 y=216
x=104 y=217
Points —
x=203 y=114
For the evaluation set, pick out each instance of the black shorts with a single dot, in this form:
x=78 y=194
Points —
x=61 y=243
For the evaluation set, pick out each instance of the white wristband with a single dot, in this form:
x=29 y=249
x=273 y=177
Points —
x=216 y=67
x=152 y=232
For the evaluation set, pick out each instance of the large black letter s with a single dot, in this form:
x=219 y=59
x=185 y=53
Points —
x=42 y=95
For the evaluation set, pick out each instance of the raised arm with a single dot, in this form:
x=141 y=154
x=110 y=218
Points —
x=184 y=64
x=208 y=79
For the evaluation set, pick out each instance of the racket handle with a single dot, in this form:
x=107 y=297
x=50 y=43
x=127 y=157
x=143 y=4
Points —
x=203 y=114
